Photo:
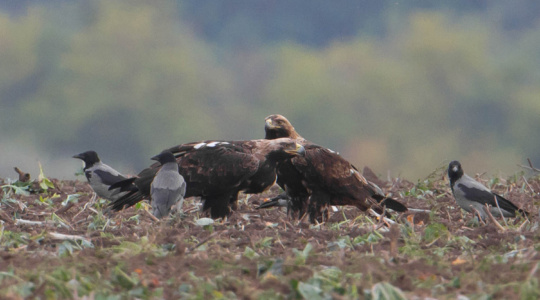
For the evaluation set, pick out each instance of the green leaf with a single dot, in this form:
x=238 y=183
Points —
x=65 y=248
x=71 y=198
x=250 y=253
x=123 y=279
x=204 y=222
x=384 y=291
x=435 y=231
x=19 y=190
x=44 y=182
x=309 y=291
x=307 y=250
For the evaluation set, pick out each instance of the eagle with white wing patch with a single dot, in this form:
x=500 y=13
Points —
x=217 y=171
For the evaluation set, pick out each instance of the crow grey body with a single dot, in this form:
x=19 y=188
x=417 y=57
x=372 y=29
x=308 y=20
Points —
x=471 y=195
x=168 y=187
x=100 y=176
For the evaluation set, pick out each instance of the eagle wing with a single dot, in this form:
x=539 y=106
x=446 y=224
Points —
x=211 y=167
x=324 y=169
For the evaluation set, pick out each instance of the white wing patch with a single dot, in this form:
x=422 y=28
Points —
x=212 y=144
x=199 y=145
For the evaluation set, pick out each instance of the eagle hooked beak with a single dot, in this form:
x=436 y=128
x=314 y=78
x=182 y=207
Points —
x=269 y=124
x=299 y=150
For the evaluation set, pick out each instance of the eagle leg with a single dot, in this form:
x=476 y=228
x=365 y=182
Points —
x=297 y=207
x=318 y=207
x=217 y=205
x=233 y=201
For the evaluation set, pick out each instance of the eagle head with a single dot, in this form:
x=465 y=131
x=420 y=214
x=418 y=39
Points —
x=282 y=148
x=277 y=126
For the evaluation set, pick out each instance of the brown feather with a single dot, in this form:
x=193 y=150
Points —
x=322 y=176
x=217 y=171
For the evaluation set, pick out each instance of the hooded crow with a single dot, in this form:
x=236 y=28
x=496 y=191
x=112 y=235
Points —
x=168 y=187
x=472 y=195
x=100 y=176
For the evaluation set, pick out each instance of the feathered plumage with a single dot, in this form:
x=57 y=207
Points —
x=321 y=177
x=472 y=195
x=168 y=187
x=100 y=176
x=217 y=171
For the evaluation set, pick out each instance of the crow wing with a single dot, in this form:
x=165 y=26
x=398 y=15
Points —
x=485 y=196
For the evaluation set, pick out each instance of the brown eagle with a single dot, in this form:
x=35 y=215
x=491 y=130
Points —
x=320 y=178
x=217 y=171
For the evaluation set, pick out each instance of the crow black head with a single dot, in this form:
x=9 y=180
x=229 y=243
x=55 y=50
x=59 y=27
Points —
x=89 y=158
x=454 y=171
x=164 y=157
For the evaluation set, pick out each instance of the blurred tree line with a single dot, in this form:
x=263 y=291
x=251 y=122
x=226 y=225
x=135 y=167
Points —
x=400 y=86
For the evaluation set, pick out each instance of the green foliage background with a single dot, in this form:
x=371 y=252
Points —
x=403 y=87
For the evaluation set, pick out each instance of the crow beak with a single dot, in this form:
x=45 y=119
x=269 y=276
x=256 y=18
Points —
x=79 y=156
x=155 y=157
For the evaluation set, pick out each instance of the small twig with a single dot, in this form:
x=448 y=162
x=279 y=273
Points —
x=94 y=195
x=61 y=221
x=526 y=182
x=433 y=242
x=481 y=220
x=394 y=235
x=281 y=243
x=302 y=218
x=63 y=209
x=523 y=224
x=500 y=211
x=381 y=219
x=5 y=217
x=377 y=215
x=418 y=210
x=497 y=224
x=204 y=241
x=29 y=222
x=193 y=209
x=151 y=216
x=532 y=167
x=448 y=213
x=287 y=223
x=67 y=237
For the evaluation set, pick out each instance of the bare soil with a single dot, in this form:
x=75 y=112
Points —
x=257 y=253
